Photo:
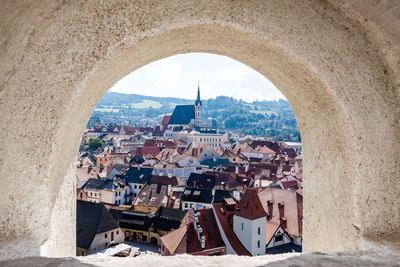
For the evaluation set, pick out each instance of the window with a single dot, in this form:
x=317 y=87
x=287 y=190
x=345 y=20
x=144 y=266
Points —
x=278 y=238
x=259 y=230
x=117 y=232
x=90 y=193
x=81 y=197
x=258 y=243
x=135 y=186
x=119 y=193
x=242 y=226
x=186 y=205
x=105 y=244
x=95 y=194
x=105 y=235
x=134 y=194
x=112 y=236
x=140 y=187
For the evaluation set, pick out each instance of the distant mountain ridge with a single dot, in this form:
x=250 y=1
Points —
x=273 y=119
x=111 y=98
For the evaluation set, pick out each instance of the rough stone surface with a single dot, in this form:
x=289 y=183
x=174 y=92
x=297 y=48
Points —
x=336 y=61
x=291 y=259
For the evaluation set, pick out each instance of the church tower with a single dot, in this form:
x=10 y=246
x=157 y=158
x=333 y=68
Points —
x=198 y=109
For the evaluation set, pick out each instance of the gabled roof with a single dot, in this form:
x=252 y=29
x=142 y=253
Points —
x=167 y=218
x=91 y=219
x=250 y=206
x=165 y=180
x=94 y=184
x=139 y=175
x=201 y=180
x=172 y=240
x=275 y=146
x=182 y=114
x=221 y=195
x=152 y=195
x=228 y=154
x=222 y=215
x=199 y=195
x=166 y=119
x=182 y=240
x=290 y=184
x=147 y=150
x=135 y=220
x=270 y=231
x=211 y=232
x=113 y=185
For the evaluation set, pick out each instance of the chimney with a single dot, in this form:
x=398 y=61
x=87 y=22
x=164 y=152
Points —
x=281 y=208
x=203 y=242
x=194 y=184
x=169 y=190
x=213 y=191
x=237 y=169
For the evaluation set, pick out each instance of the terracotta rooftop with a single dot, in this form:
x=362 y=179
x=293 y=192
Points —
x=165 y=120
x=210 y=229
x=222 y=215
x=250 y=206
x=292 y=208
x=270 y=231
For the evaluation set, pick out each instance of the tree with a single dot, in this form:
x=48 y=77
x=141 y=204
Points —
x=94 y=144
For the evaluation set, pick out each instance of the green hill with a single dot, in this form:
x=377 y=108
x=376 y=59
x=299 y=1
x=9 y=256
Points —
x=262 y=118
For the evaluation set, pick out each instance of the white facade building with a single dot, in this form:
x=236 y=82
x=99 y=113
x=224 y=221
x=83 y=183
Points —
x=251 y=233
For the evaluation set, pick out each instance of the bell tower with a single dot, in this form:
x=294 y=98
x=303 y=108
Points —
x=198 y=109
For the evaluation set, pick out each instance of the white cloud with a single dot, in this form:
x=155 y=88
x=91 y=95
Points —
x=237 y=72
x=177 y=76
x=166 y=73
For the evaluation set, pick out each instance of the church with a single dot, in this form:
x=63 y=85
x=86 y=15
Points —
x=187 y=116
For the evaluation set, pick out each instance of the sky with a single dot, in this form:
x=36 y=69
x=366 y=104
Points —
x=178 y=76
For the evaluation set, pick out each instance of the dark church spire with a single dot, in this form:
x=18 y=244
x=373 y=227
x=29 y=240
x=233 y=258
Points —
x=198 y=101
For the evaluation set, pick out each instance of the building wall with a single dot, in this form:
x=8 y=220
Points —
x=187 y=205
x=214 y=140
x=101 y=242
x=182 y=173
x=135 y=188
x=247 y=232
x=93 y=195
x=338 y=86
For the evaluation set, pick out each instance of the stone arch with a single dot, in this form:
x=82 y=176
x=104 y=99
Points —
x=331 y=64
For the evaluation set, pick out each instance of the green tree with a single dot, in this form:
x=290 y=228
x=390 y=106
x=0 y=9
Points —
x=94 y=144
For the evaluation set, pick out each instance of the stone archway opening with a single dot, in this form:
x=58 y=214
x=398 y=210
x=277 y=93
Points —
x=124 y=126
x=331 y=60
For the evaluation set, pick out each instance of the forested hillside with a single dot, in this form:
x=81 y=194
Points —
x=262 y=118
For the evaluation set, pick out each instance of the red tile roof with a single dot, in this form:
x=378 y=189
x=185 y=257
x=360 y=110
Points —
x=144 y=151
x=270 y=231
x=250 y=206
x=292 y=208
x=182 y=240
x=222 y=213
x=288 y=184
x=210 y=229
x=165 y=120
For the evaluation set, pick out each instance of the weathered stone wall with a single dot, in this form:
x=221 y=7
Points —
x=337 y=62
